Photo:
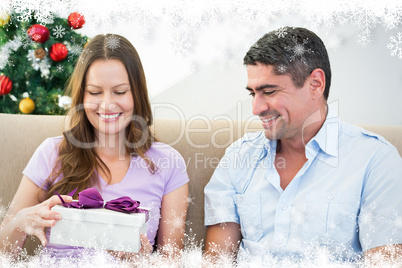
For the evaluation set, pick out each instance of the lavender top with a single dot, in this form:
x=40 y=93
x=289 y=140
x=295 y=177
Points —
x=138 y=183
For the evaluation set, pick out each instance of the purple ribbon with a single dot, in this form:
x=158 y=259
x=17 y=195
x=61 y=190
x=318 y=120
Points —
x=91 y=198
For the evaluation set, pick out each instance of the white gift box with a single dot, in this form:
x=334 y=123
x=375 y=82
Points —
x=98 y=228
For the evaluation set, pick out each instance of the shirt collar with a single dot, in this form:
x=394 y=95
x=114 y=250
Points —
x=326 y=140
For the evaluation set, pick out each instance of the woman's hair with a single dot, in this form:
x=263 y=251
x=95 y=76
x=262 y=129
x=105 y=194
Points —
x=78 y=161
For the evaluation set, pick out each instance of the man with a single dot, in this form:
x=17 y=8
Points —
x=309 y=181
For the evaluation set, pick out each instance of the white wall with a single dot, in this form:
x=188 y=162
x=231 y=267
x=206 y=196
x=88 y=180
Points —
x=203 y=75
x=366 y=83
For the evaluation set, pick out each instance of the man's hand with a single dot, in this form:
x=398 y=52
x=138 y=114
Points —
x=384 y=255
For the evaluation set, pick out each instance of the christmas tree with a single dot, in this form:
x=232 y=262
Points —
x=36 y=61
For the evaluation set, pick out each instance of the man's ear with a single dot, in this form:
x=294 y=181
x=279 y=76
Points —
x=317 y=82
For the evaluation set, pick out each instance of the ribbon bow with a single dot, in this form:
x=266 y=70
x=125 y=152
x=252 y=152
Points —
x=91 y=198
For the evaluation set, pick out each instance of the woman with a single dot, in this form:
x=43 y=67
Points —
x=109 y=145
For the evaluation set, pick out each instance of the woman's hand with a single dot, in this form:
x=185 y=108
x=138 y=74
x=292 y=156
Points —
x=145 y=250
x=146 y=247
x=33 y=220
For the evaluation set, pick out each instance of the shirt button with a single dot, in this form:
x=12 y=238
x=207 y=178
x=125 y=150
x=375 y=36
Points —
x=284 y=207
x=330 y=197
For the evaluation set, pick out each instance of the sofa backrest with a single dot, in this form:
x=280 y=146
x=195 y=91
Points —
x=201 y=143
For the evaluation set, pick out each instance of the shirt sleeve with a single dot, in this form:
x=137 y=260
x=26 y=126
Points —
x=380 y=218
x=41 y=164
x=176 y=172
x=219 y=204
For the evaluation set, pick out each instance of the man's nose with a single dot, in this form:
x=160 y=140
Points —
x=259 y=104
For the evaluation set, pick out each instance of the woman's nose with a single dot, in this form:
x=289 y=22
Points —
x=108 y=103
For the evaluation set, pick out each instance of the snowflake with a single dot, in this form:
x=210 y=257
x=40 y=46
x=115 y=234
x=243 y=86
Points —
x=392 y=18
x=282 y=68
x=25 y=40
x=221 y=212
x=42 y=12
x=25 y=15
x=181 y=43
x=59 y=31
x=59 y=68
x=300 y=216
x=44 y=16
x=364 y=38
x=395 y=45
x=367 y=217
x=112 y=42
x=366 y=20
x=190 y=240
x=299 y=50
x=75 y=48
x=177 y=222
x=251 y=229
x=396 y=222
x=281 y=32
x=189 y=200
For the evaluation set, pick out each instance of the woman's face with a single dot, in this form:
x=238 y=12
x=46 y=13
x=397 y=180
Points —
x=108 y=99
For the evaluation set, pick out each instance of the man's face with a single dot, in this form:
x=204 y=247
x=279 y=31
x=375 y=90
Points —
x=281 y=106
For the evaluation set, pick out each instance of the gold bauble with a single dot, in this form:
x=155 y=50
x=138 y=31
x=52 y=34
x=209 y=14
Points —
x=4 y=18
x=27 y=105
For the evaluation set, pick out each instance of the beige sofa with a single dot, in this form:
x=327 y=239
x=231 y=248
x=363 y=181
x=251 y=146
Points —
x=202 y=143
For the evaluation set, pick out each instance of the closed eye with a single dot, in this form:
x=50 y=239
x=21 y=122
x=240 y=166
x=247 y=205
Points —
x=120 y=92
x=94 y=93
x=269 y=92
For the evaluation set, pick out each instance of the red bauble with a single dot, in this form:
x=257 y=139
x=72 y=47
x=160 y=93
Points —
x=58 y=52
x=38 y=33
x=76 y=20
x=5 y=85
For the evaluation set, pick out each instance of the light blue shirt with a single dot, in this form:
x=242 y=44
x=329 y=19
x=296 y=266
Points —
x=346 y=198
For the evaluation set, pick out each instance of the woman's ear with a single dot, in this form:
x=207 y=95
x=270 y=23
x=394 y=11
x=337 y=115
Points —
x=317 y=82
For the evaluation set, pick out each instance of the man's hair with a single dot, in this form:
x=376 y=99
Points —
x=293 y=51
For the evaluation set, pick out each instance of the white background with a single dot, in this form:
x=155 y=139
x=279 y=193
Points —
x=202 y=73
